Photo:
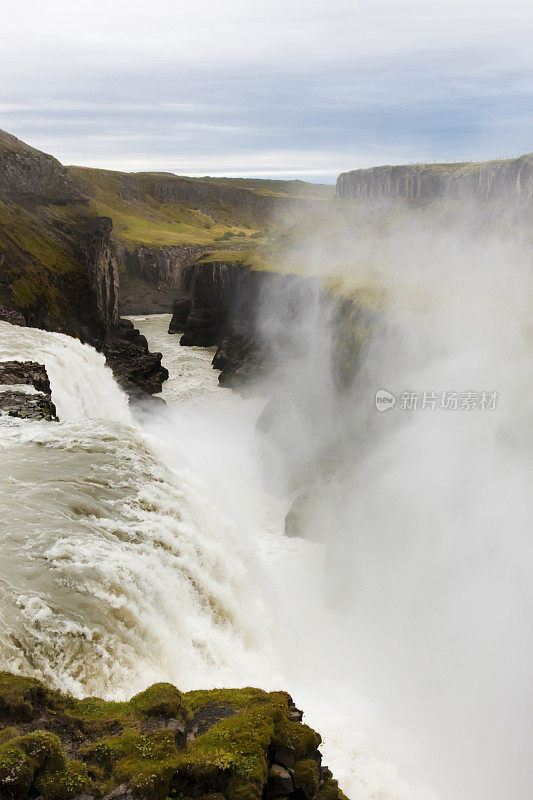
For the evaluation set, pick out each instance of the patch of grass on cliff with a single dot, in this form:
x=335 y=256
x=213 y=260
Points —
x=161 y=743
x=253 y=258
x=29 y=234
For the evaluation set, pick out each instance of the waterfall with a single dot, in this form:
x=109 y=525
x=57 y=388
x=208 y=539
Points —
x=83 y=387
x=135 y=554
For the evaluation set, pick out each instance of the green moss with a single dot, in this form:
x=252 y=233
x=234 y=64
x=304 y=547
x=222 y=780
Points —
x=24 y=291
x=161 y=698
x=64 y=784
x=37 y=759
x=142 y=742
x=45 y=749
x=306 y=776
x=330 y=791
x=20 y=697
x=7 y=733
x=295 y=734
x=16 y=771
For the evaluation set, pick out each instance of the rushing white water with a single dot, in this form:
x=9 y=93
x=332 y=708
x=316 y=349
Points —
x=116 y=570
x=190 y=373
x=81 y=385
x=132 y=554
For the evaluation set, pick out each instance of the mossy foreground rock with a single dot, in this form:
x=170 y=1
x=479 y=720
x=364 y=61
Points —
x=229 y=744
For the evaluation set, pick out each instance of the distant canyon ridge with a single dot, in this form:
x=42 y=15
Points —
x=80 y=247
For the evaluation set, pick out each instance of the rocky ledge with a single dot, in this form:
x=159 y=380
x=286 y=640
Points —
x=229 y=744
x=34 y=399
x=138 y=371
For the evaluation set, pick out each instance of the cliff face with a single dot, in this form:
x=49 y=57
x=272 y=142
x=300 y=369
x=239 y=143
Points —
x=57 y=270
x=26 y=174
x=509 y=181
x=202 y=194
x=226 y=304
x=58 y=267
x=158 y=265
x=97 y=253
x=150 y=277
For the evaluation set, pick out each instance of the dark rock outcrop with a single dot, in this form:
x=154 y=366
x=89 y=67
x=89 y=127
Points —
x=181 y=309
x=25 y=372
x=221 y=308
x=134 y=366
x=28 y=175
x=210 y=744
x=26 y=405
x=12 y=316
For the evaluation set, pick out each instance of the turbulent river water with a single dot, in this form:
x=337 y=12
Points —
x=141 y=551
x=137 y=549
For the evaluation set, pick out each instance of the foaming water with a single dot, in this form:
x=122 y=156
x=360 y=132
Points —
x=191 y=375
x=82 y=386
x=116 y=569
x=134 y=554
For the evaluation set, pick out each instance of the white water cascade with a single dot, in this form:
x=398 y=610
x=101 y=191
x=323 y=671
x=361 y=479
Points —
x=141 y=551
x=135 y=554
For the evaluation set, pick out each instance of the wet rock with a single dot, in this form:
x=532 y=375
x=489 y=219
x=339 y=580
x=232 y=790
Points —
x=34 y=400
x=134 y=366
x=325 y=774
x=122 y=792
x=27 y=406
x=202 y=327
x=279 y=782
x=285 y=755
x=25 y=372
x=12 y=315
x=296 y=715
x=180 y=311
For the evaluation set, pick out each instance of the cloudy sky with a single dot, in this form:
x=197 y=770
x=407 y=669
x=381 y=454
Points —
x=277 y=88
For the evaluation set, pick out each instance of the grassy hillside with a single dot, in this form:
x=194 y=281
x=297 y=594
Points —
x=233 y=221
x=207 y=219
x=138 y=218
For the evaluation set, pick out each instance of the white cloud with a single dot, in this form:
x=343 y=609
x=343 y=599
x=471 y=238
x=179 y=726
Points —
x=406 y=78
x=62 y=34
